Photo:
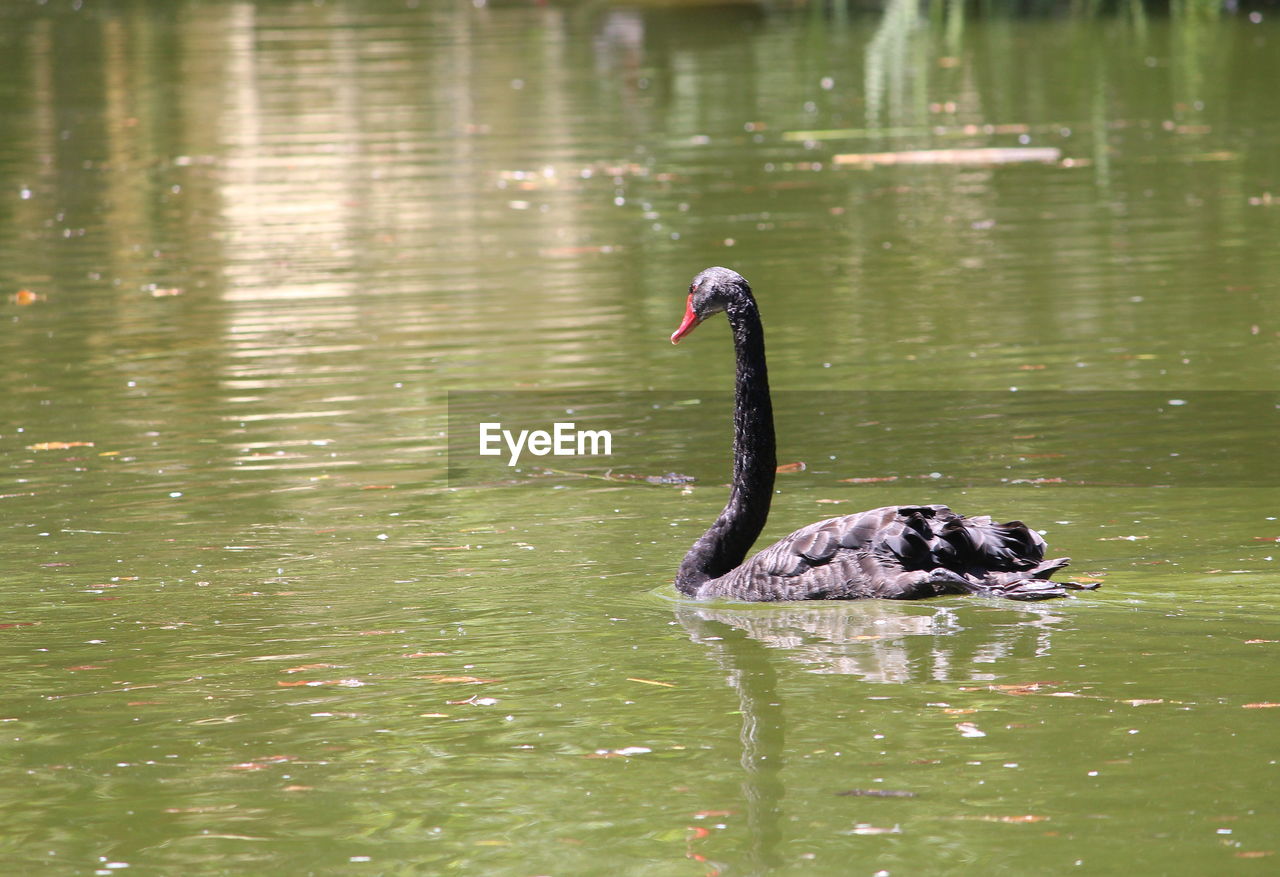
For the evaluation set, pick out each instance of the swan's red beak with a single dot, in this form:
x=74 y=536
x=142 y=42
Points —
x=690 y=322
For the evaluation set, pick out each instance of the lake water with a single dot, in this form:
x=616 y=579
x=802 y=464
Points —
x=263 y=265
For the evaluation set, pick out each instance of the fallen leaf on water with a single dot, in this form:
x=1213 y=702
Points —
x=876 y=793
x=315 y=683
x=798 y=466
x=956 y=711
x=219 y=720
x=302 y=667
x=297 y=789
x=1025 y=817
x=651 y=682
x=86 y=667
x=58 y=446
x=464 y=680
x=1012 y=687
x=1248 y=642
x=1261 y=706
x=263 y=763
x=1031 y=368
x=451 y=548
x=473 y=701
x=1254 y=854
x=378 y=487
x=24 y=297
x=969 y=729
x=426 y=655
x=18 y=624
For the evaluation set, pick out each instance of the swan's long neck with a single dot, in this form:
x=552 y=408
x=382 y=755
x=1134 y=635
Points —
x=726 y=542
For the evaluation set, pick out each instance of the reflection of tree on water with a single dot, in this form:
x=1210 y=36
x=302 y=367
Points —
x=875 y=640
x=894 y=59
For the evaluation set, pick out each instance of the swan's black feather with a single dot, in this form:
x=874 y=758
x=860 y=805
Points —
x=900 y=553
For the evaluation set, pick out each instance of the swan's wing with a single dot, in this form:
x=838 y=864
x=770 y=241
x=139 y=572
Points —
x=901 y=552
x=928 y=537
x=904 y=535
x=817 y=544
x=839 y=558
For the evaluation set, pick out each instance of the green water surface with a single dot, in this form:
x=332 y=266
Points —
x=253 y=621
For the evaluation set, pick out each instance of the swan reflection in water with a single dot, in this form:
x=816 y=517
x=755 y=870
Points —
x=882 y=641
x=876 y=641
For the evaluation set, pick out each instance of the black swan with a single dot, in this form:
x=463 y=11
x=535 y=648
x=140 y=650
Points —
x=898 y=552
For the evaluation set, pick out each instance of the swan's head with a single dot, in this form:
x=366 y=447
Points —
x=712 y=291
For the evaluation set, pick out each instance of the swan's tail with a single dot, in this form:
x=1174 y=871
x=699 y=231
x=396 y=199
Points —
x=1031 y=584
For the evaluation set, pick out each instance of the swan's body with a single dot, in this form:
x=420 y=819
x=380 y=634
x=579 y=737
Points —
x=898 y=552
